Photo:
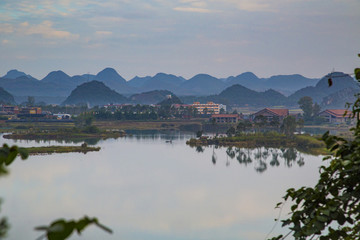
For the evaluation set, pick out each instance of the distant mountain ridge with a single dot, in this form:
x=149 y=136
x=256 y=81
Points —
x=58 y=85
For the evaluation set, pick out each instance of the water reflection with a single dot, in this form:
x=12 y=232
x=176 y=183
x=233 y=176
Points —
x=261 y=158
x=146 y=188
x=139 y=135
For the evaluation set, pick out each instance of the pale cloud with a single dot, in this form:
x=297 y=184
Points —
x=23 y=57
x=5 y=41
x=6 y=28
x=103 y=33
x=46 y=30
x=24 y=24
x=252 y=5
x=193 y=6
x=191 y=9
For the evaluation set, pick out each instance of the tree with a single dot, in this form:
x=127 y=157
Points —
x=231 y=131
x=300 y=124
x=316 y=110
x=310 y=110
x=331 y=209
x=289 y=125
x=306 y=104
x=30 y=101
x=199 y=133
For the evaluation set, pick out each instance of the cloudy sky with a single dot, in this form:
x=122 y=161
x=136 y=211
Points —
x=181 y=37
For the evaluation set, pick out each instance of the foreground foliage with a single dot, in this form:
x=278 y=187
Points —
x=62 y=229
x=331 y=209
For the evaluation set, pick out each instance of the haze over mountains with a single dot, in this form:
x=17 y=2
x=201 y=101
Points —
x=245 y=88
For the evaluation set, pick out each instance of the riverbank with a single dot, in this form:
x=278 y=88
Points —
x=60 y=149
x=303 y=143
x=63 y=134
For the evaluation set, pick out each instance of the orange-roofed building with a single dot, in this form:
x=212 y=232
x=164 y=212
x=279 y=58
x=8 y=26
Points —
x=336 y=115
x=271 y=114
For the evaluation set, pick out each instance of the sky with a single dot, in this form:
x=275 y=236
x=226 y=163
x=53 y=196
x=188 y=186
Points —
x=182 y=37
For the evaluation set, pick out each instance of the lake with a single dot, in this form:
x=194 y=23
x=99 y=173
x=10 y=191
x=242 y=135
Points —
x=145 y=187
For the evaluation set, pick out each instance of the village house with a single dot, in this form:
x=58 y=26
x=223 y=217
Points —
x=9 y=110
x=225 y=118
x=336 y=115
x=271 y=114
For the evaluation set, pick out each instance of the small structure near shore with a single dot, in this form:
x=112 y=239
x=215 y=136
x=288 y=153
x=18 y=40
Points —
x=271 y=114
x=336 y=115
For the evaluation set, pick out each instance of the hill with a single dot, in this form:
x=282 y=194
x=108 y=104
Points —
x=173 y=99
x=338 y=99
x=6 y=97
x=201 y=84
x=241 y=95
x=151 y=97
x=13 y=74
x=94 y=93
x=321 y=89
x=112 y=79
x=247 y=79
x=284 y=83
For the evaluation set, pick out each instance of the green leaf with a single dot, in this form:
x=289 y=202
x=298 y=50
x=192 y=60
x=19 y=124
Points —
x=357 y=73
x=60 y=230
x=10 y=158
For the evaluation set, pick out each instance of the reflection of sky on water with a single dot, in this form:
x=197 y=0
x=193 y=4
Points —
x=148 y=189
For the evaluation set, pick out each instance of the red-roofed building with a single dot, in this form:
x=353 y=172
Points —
x=336 y=115
x=225 y=118
x=271 y=114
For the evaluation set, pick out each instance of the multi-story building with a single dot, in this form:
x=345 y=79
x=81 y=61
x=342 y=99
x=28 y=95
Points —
x=208 y=108
x=6 y=109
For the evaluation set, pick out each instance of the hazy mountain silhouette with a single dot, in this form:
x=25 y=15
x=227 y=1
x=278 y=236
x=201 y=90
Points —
x=138 y=82
x=112 y=79
x=339 y=99
x=241 y=95
x=94 y=93
x=201 y=84
x=340 y=81
x=13 y=74
x=284 y=83
x=6 y=97
x=151 y=97
x=58 y=85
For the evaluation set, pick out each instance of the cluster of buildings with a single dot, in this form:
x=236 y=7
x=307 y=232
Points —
x=16 y=112
x=334 y=116
x=216 y=111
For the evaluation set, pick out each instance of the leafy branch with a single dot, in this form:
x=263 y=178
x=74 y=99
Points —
x=61 y=229
x=331 y=209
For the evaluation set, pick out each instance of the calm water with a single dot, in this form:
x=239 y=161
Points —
x=147 y=188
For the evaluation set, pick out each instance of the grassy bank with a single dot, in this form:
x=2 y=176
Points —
x=64 y=134
x=60 y=149
x=303 y=143
x=149 y=125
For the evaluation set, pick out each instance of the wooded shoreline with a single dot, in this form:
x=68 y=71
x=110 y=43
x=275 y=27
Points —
x=303 y=143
